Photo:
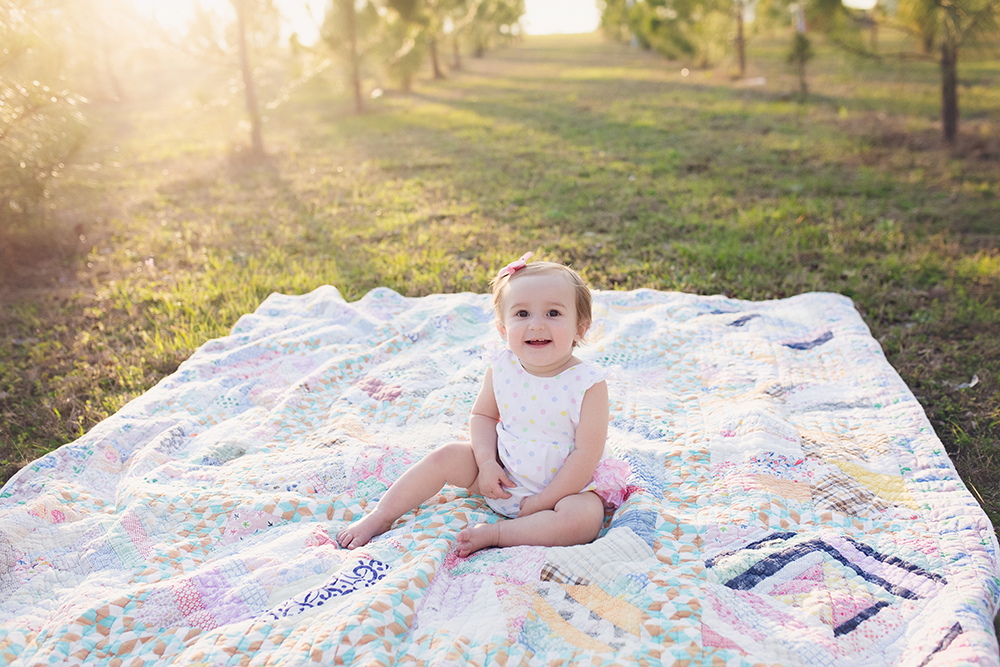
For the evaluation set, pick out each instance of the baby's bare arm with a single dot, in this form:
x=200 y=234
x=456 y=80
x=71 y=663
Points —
x=483 y=433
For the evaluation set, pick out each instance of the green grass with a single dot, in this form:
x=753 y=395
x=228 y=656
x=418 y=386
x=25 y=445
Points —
x=588 y=153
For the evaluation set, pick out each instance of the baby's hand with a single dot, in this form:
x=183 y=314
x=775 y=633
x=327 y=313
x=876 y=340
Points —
x=531 y=504
x=492 y=480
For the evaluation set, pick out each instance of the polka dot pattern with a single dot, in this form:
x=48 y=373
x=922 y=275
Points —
x=538 y=420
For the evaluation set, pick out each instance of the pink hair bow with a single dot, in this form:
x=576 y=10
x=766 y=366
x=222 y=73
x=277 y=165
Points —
x=512 y=268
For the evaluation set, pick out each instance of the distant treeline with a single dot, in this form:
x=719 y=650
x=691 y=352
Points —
x=704 y=32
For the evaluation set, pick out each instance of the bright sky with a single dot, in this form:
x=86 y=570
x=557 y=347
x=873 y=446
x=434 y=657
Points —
x=303 y=16
x=542 y=17
x=550 y=17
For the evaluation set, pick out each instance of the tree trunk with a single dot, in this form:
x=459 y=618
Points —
x=741 y=44
x=927 y=41
x=438 y=74
x=257 y=142
x=928 y=34
x=349 y=12
x=456 y=60
x=801 y=51
x=949 y=89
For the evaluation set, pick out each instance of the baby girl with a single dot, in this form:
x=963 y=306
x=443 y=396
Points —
x=537 y=429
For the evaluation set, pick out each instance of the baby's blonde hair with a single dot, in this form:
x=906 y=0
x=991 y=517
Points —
x=584 y=313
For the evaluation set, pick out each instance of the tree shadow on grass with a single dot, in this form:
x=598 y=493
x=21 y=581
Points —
x=751 y=156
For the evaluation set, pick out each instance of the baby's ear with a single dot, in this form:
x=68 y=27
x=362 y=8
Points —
x=502 y=329
x=581 y=330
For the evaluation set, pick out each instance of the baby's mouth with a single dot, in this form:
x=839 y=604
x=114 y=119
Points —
x=538 y=342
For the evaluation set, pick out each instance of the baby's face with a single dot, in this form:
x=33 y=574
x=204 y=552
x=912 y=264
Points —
x=539 y=322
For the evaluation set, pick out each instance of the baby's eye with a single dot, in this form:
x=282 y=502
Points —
x=522 y=313
x=554 y=313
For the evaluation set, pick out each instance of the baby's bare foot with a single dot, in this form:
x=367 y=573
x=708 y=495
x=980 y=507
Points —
x=360 y=532
x=480 y=536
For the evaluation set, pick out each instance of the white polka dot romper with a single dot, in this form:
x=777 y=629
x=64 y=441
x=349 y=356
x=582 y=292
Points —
x=538 y=420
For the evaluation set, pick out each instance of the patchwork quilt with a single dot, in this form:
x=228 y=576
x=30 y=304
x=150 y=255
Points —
x=789 y=503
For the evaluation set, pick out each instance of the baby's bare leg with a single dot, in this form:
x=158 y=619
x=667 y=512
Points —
x=576 y=519
x=450 y=464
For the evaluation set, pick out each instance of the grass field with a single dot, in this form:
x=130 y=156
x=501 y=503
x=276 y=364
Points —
x=604 y=157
